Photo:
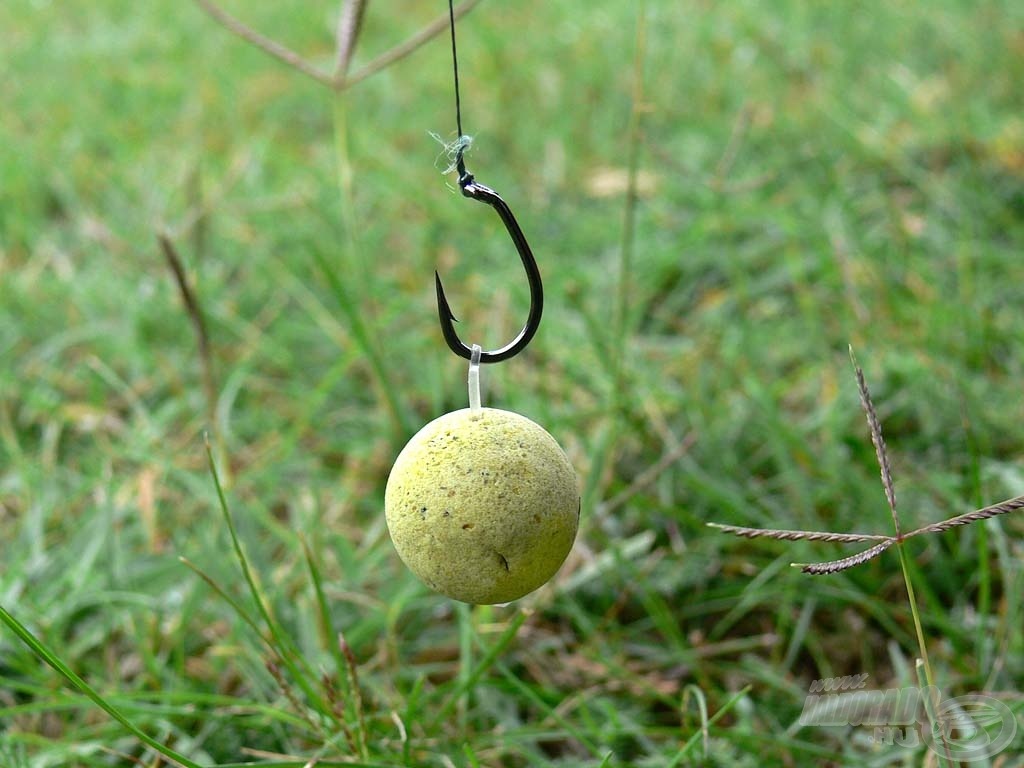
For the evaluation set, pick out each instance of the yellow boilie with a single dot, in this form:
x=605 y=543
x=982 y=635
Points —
x=482 y=507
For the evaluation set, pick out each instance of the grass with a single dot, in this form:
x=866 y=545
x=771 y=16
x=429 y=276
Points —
x=806 y=178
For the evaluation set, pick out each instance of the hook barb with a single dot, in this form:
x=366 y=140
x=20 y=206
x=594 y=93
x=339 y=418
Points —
x=470 y=188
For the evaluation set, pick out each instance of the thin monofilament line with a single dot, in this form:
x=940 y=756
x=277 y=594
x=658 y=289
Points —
x=455 y=69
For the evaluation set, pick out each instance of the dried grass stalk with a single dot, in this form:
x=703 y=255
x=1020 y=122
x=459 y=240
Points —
x=883 y=542
x=877 y=440
x=784 y=535
x=835 y=566
x=971 y=517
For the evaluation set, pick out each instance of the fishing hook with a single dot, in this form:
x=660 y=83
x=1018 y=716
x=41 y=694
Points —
x=470 y=188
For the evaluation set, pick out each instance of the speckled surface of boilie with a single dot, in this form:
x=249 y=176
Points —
x=484 y=507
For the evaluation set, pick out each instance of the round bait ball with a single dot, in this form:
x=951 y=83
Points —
x=482 y=509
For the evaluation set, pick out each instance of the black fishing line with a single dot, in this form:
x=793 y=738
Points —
x=455 y=69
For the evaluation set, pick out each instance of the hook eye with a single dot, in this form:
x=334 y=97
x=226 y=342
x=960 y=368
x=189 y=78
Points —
x=470 y=188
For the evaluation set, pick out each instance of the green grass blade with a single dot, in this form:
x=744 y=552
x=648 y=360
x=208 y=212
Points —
x=692 y=741
x=702 y=708
x=466 y=683
x=222 y=593
x=282 y=645
x=549 y=712
x=467 y=750
x=465 y=625
x=44 y=653
x=328 y=634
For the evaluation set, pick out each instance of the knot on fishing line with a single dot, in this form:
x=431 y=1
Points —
x=454 y=151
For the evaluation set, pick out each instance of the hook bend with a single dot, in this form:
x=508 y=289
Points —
x=470 y=188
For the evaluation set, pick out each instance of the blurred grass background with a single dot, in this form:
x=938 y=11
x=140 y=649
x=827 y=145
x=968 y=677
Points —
x=809 y=176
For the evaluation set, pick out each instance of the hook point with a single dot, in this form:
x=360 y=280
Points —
x=443 y=307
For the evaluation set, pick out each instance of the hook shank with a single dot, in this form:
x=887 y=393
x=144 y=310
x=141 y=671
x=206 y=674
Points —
x=470 y=188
